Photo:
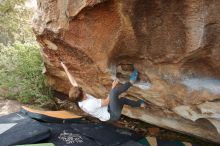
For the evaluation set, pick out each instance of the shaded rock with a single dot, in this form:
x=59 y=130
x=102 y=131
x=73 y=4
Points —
x=174 y=45
x=153 y=131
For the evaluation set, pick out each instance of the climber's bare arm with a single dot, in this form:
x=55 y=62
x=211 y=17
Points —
x=105 y=101
x=70 y=77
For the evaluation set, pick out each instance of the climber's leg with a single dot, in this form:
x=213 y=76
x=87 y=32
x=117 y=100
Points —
x=132 y=103
x=115 y=105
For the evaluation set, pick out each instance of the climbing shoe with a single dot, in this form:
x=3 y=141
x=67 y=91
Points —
x=134 y=75
x=142 y=103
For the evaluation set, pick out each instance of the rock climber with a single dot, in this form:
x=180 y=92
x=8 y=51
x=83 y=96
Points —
x=108 y=109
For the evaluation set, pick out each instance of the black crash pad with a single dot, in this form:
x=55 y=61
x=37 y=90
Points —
x=89 y=134
x=16 y=128
x=106 y=134
x=64 y=135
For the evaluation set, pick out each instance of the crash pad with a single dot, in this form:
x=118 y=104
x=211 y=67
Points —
x=51 y=116
x=106 y=134
x=89 y=134
x=17 y=128
x=65 y=135
x=25 y=130
x=41 y=144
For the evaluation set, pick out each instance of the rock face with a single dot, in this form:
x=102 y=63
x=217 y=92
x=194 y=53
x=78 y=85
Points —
x=174 y=45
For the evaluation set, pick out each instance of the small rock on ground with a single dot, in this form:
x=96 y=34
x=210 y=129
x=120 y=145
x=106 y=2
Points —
x=8 y=106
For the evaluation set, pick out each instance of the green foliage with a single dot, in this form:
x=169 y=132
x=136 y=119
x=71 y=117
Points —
x=21 y=73
x=15 y=20
x=20 y=61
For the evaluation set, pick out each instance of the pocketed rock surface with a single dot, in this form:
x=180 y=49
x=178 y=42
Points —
x=174 y=45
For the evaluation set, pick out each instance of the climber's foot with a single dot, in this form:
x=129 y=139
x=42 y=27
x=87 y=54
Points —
x=134 y=76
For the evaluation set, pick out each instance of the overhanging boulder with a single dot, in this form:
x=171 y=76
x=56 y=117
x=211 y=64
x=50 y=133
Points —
x=174 y=45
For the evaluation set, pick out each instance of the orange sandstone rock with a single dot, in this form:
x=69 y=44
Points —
x=175 y=45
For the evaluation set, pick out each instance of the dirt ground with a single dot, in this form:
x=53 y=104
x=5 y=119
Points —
x=149 y=130
x=161 y=133
x=8 y=106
